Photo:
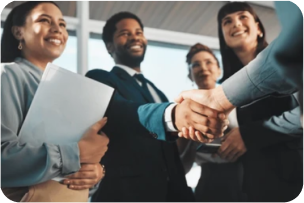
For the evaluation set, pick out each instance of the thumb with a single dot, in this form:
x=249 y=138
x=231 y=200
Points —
x=179 y=98
x=184 y=95
x=100 y=124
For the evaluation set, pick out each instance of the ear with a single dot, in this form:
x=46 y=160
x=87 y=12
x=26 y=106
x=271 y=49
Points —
x=17 y=32
x=259 y=29
x=110 y=48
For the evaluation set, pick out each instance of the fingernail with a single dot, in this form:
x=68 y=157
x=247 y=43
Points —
x=66 y=182
x=71 y=186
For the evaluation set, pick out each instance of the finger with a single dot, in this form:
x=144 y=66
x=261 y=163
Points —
x=87 y=167
x=83 y=175
x=78 y=187
x=231 y=154
x=224 y=147
x=80 y=182
x=222 y=116
x=192 y=134
x=201 y=137
x=180 y=134
x=100 y=124
x=191 y=131
x=203 y=110
x=226 y=153
x=185 y=133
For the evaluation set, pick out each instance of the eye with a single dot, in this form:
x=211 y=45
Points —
x=45 y=20
x=243 y=17
x=139 y=33
x=226 y=22
x=124 y=34
x=195 y=65
x=62 y=25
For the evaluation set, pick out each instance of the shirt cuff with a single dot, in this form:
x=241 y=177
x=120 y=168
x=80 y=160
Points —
x=169 y=126
x=70 y=158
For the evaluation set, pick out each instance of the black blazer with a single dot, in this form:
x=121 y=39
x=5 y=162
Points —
x=273 y=162
x=138 y=167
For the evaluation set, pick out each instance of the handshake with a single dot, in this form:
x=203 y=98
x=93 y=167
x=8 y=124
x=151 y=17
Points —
x=201 y=115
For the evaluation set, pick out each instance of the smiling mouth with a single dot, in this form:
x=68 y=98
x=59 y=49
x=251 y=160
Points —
x=239 y=33
x=56 y=42
x=135 y=47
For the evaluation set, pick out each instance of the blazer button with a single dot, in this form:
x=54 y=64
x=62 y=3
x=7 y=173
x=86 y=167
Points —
x=154 y=135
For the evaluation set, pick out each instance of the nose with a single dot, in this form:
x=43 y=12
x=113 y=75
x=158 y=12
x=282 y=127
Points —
x=134 y=37
x=237 y=23
x=56 y=28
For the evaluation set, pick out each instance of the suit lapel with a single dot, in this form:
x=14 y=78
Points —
x=123 y=75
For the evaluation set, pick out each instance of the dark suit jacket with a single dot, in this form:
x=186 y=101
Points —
x=138 y=167
x=272 y=165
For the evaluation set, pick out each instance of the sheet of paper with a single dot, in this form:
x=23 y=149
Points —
x=65 y=105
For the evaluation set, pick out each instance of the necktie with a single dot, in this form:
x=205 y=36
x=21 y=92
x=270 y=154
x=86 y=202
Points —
x=144 y=86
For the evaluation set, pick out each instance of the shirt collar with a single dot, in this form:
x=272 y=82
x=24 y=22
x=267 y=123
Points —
x=31 y=67
x=129 y=70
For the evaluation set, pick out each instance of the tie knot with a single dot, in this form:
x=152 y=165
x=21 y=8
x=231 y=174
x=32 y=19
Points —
x=140 y=77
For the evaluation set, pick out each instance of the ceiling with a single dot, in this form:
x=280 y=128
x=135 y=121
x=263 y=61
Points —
x=195 y=17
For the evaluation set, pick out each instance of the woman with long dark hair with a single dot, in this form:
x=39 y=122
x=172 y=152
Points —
x=271 y=160
x=34 y=34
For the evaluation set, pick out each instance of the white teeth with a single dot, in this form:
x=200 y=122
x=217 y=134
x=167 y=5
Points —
x=55 y=41
x=135 y=47
x=238 y=33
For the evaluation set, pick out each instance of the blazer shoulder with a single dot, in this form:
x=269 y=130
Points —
x=102 y=76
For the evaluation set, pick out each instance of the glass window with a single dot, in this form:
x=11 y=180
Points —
x=99 y=57
x=68 y=59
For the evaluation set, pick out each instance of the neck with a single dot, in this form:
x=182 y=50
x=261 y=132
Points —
x=246 y=54
x=135 y=67
x=38 y=61
x=207 y=87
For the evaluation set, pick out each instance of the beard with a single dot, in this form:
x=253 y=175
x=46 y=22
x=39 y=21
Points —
x=130 y=60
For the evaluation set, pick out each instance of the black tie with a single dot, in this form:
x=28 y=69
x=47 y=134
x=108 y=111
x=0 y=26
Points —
x=144 y=86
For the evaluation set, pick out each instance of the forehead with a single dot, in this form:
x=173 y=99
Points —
x=45 y=8
x=202 y=55
x=237 y=13
x=128 y=23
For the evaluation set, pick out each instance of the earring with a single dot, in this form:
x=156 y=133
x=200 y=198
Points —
x=20 y=46
x=261 y=35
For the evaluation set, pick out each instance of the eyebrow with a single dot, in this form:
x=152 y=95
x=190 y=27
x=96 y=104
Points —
x=46 y=15
x=228 y=17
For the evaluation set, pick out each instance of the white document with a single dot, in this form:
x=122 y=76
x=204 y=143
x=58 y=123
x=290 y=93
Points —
x=65 y=105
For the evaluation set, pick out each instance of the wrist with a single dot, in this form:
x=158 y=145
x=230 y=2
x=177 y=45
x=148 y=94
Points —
x=219 y=95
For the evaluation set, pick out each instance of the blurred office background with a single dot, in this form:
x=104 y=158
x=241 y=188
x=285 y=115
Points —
x=171 y=27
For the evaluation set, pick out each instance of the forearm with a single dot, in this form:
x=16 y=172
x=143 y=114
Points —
x=24 y=165
x=256 y=80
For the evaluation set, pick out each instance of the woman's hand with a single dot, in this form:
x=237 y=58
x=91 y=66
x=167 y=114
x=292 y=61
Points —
x=87 y=177
x=233 y=146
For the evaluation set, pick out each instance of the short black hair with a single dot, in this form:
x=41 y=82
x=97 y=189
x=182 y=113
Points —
x=110 y=27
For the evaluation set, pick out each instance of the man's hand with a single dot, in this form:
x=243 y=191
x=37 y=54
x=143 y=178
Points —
x=204 y=119
x=213 y=98
x=87 y=177
x=233 y=146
